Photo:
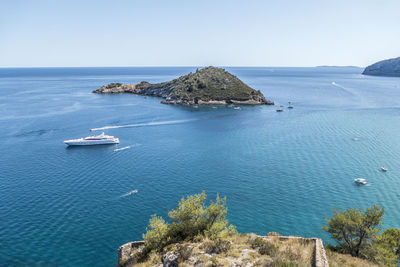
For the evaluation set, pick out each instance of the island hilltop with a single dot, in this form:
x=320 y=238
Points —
x=207 y=86
x=388 y=67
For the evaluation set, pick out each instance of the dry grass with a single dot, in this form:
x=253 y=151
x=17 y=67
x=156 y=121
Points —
x=288 y=252
x=300 y=251
x=337 y=260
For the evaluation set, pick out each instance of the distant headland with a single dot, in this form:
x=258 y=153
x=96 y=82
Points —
x=207 y=86
x=388 y=67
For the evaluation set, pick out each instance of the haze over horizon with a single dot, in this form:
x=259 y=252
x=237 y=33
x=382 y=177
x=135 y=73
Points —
x=181 y=33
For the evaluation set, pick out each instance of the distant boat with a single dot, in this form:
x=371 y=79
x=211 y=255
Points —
x=355 y=139
x=384 y=169
x=280 y=109
x=360 y=181
x=196 y=106
x=236 y=108
x=214 y=107
x=290 y=105
x=100 y=139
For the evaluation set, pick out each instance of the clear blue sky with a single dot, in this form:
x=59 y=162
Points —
x=181 y=33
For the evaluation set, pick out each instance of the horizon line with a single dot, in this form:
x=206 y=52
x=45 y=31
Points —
x=179 y=66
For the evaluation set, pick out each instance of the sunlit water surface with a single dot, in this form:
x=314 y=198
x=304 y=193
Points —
x=281 y=172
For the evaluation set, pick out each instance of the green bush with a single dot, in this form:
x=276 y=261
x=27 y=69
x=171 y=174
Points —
x=111 y=85
x=216 y=246
x=264 y=247
x=191 y=219
x=353 y=229
x=356 y=233
x=287 y=264
x=390 y=238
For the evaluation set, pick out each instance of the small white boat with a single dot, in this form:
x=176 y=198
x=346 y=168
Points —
x=236 y=108
x=384 y=169
x=360 y=181
x=132 y=192
x=355 y=139
x=100 y=139
x=196 y=106
x=280 y=109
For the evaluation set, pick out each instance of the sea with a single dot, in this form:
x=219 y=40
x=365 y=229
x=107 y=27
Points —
x=280 y=171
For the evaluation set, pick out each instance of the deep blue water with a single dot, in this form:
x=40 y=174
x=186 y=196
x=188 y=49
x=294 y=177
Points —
x=281 y=172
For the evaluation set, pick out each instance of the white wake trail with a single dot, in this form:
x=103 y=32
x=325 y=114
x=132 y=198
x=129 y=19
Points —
x=130 y=193
x=155 y=123
x=347 y=90
x=122 y=148
x=126 y=147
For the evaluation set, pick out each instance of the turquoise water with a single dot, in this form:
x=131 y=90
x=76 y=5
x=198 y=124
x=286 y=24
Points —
x=281 y=172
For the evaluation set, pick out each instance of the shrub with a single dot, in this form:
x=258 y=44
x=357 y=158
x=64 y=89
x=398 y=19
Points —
x=273 y=234
x=390 y=239
x=190 y=220
x=111 y=85
x=216 y=246
x=356 y=233
x=264 y=247
x=353 y=229
x=287 y=264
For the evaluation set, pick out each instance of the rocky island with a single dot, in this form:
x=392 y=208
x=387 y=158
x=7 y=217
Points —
x=207 y=86
x=388 y=67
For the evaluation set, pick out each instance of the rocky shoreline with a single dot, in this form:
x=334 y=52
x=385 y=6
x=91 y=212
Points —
x=388 y=67
x=208 y=86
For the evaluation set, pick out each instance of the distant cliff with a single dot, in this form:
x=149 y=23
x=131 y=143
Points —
x=207 y=86
x=388 y=67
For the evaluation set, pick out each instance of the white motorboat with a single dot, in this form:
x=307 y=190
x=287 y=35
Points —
x=100 y=139
x=236 y=108
x=384 y=169
x=360 y=181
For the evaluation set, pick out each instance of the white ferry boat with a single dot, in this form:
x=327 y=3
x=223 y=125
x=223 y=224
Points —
x=100 y=139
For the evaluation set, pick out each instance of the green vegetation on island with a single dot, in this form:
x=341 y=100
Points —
x=388 y=67
x=210 y=85
x=198 y=234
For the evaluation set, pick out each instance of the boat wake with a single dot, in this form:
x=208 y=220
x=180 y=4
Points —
x=122 y=148
x=153 y=123
x=130 y=193
x=126 y=147
x=347 y=90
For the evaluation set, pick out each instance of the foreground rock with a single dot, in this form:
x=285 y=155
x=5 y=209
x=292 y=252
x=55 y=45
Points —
x=389 y=67
x=236 y=250
x=208 y=86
